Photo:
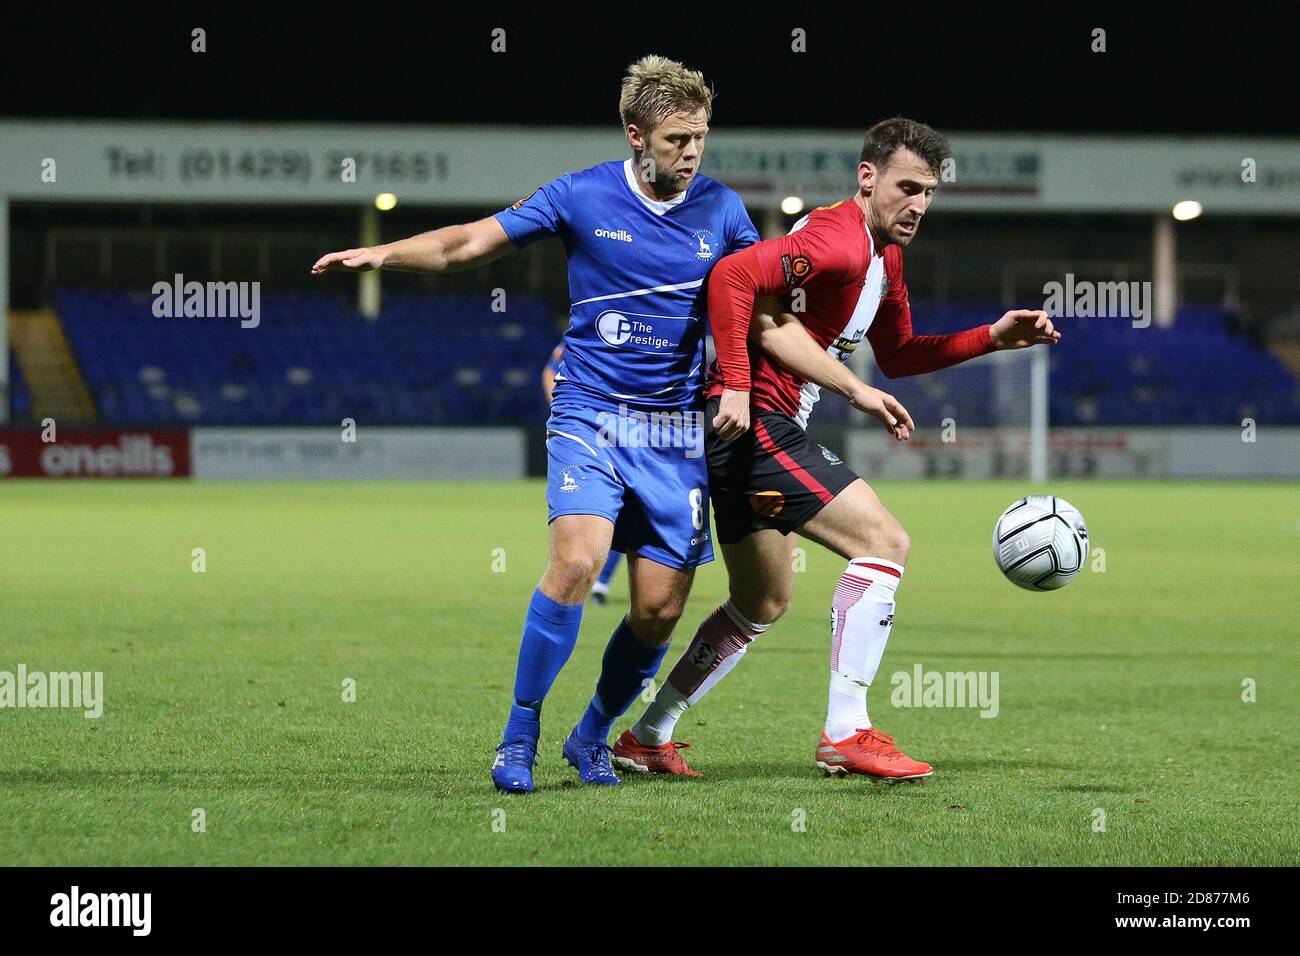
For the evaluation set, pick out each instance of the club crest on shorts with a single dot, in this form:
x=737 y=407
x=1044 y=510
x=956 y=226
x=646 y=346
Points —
x=830 y=456
x=568 y=484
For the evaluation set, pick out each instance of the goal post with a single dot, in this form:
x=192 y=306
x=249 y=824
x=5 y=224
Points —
x=1039 y=413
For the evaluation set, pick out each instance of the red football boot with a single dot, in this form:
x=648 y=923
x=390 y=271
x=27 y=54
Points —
x=629 y=753
x=870 y=753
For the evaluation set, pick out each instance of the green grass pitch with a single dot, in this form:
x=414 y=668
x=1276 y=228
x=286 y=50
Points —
x=1120 y=694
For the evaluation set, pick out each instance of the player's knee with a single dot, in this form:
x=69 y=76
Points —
x=654 y=620
x=765 y=608
x=896 y=544
x=900 y=544
x=573 y=570
x=888 y=540
x=778 y=604
x=772 y=609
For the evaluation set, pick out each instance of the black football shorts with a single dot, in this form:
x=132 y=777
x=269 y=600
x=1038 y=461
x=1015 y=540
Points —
x=770 y=477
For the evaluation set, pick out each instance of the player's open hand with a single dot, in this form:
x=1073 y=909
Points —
x=888 y=410
x=349 y=260
x=732 y=419
x=1021 y=328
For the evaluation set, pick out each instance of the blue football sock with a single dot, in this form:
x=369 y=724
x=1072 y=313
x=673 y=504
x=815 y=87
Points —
x=611 y=565
x=522 y=722
x=550 y=632
x=628 y=661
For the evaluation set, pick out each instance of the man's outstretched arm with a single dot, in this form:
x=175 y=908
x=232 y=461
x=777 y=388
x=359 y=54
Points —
x=449 y=249
x=900 y=353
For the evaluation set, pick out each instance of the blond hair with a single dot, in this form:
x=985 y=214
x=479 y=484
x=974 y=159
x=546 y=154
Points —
x=656 y=87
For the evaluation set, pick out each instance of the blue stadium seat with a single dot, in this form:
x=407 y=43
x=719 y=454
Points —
x=398 y=369
x=20 y=399
x=1107 y=372
x=402 y=367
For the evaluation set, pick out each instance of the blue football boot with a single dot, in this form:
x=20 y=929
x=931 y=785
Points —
x=512 y=770
x=591 y=759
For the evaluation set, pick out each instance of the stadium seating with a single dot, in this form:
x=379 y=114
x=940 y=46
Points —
x=451 y=360
x=1108 y=372
x=312 y=359
x=20 y=399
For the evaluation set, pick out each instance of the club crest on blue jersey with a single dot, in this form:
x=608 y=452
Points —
x=706 y=244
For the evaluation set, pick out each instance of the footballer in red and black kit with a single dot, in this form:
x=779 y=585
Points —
x=773 y=476
x=838 y=276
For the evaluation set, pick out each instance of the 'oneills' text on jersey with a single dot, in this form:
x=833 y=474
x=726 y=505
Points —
x=636 y=280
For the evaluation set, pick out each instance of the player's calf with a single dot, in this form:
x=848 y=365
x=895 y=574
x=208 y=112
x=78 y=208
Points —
x=578 y=545
x=631 y=659
x=718 y=645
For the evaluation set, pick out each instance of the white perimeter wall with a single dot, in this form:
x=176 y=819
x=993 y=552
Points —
x=469 y=453
x=445 y=453
x=1172 y=452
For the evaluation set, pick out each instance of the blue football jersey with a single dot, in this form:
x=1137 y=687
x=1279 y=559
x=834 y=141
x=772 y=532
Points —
x=636 y=280
x=557 y=356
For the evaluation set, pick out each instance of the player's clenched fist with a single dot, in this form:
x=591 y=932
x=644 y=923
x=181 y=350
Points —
x=1021 y=328
x=349 y=260
x=732 y=419
x=885 y=408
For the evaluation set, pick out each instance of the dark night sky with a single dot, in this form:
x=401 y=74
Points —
x=1191 y=69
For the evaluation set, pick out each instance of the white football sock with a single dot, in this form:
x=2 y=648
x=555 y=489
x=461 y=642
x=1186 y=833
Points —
x=862 y=615
x=846 y=709
x=717 y=647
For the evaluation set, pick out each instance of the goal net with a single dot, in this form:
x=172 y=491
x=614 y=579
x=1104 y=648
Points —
x=986 y=418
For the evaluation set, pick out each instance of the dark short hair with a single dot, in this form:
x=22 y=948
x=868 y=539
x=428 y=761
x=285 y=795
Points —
x=888 y=136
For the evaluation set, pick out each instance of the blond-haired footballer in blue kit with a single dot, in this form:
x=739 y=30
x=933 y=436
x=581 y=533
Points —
x=641 y=235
